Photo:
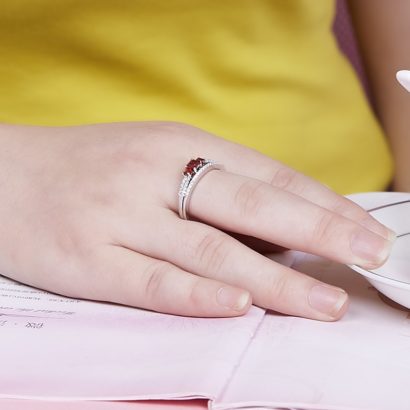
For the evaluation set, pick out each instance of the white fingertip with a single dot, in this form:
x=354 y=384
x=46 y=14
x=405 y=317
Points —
x=403 y=77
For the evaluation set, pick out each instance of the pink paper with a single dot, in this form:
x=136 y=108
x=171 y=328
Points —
x=360 y=362
x=8 y=404
x=59 y=348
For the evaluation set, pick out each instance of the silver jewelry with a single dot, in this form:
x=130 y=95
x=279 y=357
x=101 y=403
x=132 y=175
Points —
x=193 y=172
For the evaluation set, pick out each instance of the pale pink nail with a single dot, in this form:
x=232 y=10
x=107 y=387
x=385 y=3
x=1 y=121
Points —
x=327 y=299
x=232 y=298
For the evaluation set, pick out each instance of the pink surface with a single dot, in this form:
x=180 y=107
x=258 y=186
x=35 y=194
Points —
x=95 y=405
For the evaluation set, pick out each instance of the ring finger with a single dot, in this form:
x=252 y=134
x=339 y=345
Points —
x=206 y=251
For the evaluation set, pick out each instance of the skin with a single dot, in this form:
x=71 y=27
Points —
x=383 y=32
x=91 y=212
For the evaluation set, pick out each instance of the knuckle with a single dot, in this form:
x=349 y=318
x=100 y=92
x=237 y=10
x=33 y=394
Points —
x=279 y=291
x=176 y=126
x=137 y=141
x=195 y=298
x=345 y=207
x=286 y=179
x=324 y=228
x=153 y=282
x=183 y=133
x=176 y=130
x=250 y=198
x=212 y=252
x=169 y=128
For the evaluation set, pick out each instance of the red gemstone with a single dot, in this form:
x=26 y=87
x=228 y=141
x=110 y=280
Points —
x=194 y=163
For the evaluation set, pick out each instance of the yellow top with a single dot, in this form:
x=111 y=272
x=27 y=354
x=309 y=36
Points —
x=264 y=73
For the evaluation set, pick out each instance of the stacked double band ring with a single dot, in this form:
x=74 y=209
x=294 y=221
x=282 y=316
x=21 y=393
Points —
x=193 y=172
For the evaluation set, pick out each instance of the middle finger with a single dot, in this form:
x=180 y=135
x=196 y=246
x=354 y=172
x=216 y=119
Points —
x=252 y=207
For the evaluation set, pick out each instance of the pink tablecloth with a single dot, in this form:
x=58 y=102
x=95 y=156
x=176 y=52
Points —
x=141 y=405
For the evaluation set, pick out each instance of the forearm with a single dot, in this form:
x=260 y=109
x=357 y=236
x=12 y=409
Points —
x=383 y=31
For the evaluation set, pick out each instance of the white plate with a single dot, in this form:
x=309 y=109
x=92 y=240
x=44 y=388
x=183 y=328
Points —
x=403 y=77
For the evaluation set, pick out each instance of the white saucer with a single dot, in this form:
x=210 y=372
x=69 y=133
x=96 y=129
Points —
x=393 y=278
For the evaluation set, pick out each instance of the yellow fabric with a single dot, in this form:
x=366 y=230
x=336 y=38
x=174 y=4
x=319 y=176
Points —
x=264 y=73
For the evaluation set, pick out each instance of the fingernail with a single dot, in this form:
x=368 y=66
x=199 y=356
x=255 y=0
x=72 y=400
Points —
x=376 y=227
x=371 y=250
x=327 y=299
x=232 y=298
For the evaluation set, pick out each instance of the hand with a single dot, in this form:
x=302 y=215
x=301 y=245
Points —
x=91 y=212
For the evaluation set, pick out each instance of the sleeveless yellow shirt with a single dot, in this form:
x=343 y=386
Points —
x=264 y=73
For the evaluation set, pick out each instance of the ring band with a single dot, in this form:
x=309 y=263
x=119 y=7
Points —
x=193 y=172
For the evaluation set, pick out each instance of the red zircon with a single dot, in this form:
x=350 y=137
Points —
x=194 y=163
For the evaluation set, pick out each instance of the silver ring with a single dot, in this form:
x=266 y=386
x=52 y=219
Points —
x=193 y=172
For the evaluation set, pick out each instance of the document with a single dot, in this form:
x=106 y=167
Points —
x=360 y=362
x=52 y=347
